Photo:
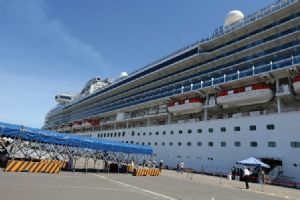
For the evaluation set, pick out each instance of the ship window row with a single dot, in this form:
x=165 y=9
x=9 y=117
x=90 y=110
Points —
x=267 y=39
x=189 y=131
x=192 y=52
x=270 y=144
x=207 y=83
x=168 y=93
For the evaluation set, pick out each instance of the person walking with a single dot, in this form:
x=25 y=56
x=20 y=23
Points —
x=246 y=176
x=178 y=167
x=161 y=164
x=181 y=167
x=233 y=173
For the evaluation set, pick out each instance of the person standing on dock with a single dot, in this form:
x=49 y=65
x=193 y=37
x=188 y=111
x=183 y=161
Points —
x=181 y=166
x=161 y=164
x=246 y=176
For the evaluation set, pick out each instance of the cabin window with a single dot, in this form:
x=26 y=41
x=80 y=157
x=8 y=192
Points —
x=164 y=132
x=223 y=144
x=149 y=143
x=210 y=130
x=123 y=134
x=137 y=143
x=180 y=131
x=271 y=144
x=132 y=133
x=189 y=131
x=199 y=144
x=199 y=130
x=104 y=135
x=171 y=132
x=253 y=144
x=144 y=133
x=210 y=144
x=270 y=126
x=252 y=127
x=179 y=143
x=237 y=128
x=115 y=134
x=131 y=142
x=237 y=144
x=157 y=133
x=98 y=134
x=171 y=143
x=295 y=144
x=163 y=143
x=143 y=143
x=189 y=143
x=138 y=134
x=150 y=133
x=223 y=129
x=119 y=134
x=155 y=143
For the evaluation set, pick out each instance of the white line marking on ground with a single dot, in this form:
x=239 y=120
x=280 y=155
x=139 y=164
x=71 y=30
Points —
x=136 y=188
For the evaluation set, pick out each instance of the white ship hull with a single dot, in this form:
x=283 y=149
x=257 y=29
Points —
x=218 y=159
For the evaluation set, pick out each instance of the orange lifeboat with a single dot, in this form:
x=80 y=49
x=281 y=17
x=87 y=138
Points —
x=67 y=127
x=253 y=94
x=77 y=124
x=95 y=122
x=87 y=123
x=296 y=84
x=186 y=106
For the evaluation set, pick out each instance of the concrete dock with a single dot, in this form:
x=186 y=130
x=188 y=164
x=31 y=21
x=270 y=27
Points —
x=170 y=185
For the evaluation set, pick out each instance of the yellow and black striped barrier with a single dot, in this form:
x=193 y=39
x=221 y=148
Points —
x=44 y=166
x=146 y=172
x=130 y=168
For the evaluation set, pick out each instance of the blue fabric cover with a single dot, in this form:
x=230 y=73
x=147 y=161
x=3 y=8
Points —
x=51 y=137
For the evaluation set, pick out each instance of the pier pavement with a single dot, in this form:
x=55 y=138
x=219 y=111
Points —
x=170 y=185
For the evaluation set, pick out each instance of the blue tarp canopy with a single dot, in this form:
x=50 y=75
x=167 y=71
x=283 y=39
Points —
x=51 y=137
x=252 y=162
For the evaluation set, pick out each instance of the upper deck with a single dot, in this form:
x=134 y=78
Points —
x=264 y=41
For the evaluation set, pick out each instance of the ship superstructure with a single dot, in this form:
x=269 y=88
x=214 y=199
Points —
x=233 y=95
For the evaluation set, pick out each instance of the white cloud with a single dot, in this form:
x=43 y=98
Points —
x=39 y=42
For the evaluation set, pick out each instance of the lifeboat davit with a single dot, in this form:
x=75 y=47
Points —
x=186 y=106
x=296 y=84
x=254 y=94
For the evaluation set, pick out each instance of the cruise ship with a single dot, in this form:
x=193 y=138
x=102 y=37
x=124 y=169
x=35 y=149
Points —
x=233 y=95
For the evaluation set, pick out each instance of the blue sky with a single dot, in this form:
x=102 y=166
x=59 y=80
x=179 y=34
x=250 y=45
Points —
x=52 y=46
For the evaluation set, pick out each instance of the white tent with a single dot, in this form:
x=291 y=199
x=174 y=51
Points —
x=252 y=162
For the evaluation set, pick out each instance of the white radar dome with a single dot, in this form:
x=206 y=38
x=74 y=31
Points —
x=123 y=74
x=233 y=16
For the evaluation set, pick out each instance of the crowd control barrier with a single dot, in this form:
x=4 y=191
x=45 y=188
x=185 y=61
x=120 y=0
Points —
x=146 y=172
x=44 y=166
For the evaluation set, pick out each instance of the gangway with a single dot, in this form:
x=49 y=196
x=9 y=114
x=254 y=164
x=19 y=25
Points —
x=18 y=141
